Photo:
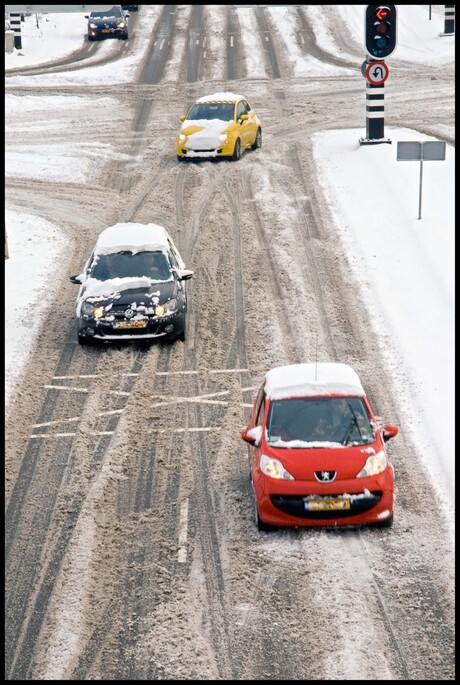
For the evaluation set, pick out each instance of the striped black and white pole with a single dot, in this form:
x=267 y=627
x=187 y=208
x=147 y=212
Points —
x=375 y=111
x=15 y=23
x=449 y=20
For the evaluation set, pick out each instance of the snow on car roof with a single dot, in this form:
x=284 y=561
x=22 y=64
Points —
x=311 y=379
x=221 y=97
x=132 y=237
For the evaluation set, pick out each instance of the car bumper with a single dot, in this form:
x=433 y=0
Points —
x=189 y=153
x=370 y=501
x=168 y=326
x=100 y=34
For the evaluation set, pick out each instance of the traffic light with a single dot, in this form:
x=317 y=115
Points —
x=380 y=27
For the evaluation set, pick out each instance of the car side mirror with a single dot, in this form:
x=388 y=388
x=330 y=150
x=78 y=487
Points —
x=183 y=274
x=243 y=117
x=75 y=279
x=252 y=435
x=182 y=117
x=389 y=432
x=86 y=16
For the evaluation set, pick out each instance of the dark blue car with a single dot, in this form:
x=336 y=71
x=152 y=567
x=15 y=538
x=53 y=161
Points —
x=112 y=23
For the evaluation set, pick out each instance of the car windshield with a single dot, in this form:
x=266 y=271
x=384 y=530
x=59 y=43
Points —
x=212 y=110
x=152 y=265
x=113 y=12
x=342 y=420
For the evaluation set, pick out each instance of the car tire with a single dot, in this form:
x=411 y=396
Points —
x=258 y=140
x=82 y=340
x=237 y=150
x=179 y=158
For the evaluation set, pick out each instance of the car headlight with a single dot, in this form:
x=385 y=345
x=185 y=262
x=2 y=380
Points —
x=89 y=309
x=274 y=468
x=223 y=138
x=182 y=137
x=167 y=308
x=375 y=464
x=93 y=26
x=121 y=25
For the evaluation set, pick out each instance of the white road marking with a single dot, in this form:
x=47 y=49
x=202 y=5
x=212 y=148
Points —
x=66 y=435
x=231 y=41
x=183 y=520
x=74 y=418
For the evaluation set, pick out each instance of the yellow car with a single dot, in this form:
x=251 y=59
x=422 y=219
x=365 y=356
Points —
x=218 y=125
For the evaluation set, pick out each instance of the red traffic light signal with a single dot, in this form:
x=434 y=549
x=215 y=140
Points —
x=380 y=30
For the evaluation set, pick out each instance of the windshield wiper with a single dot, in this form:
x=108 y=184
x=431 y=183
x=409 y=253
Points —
x=347 y=434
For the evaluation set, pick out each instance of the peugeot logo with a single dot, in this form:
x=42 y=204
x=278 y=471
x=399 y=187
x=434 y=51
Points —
x=129 y=313
x=325 y=476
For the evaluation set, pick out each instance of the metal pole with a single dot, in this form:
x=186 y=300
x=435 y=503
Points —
x=429 y=15
x=420 y=191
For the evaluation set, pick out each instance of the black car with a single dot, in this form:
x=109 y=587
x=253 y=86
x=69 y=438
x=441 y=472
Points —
x=108 y=23
x=132 y=287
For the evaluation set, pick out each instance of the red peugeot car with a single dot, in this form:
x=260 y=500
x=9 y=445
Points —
x=317 y=452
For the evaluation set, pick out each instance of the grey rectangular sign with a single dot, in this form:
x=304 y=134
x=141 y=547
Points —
x=418 y=151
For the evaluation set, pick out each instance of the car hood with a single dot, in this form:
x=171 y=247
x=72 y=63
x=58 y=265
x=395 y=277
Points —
x=302 y=463
x=111 y=22
x=205 y=132
x=141 y=291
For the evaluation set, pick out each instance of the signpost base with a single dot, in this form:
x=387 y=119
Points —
x=373 y=141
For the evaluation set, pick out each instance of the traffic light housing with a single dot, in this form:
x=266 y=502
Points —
x=380 y=28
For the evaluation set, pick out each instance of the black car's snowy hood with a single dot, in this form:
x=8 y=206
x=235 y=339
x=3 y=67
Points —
x=156 y=293
x=111 y=22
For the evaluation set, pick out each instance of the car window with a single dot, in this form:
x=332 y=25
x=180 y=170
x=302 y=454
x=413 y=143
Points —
x=112 y=12
x=241 y=109
x=211 y=110
x=344 y=420
x=173 y=257
x=260 y=407
x=153 y=265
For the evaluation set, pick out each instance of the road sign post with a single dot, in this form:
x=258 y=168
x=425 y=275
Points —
x=409 y=151
x=376 y=73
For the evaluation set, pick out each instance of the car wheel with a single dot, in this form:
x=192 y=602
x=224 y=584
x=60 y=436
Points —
x=82 y=340
x=258 y=140
x=237 y=151
x=179 y=158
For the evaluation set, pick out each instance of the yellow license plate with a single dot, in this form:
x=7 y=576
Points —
x=130 y=324
x=106 y=30
x=327 y=504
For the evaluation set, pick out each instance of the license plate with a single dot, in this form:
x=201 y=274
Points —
x=106 y=30
x=326 y=504
x=129 y=324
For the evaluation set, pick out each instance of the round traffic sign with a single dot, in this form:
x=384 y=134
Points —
x=377 y=73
